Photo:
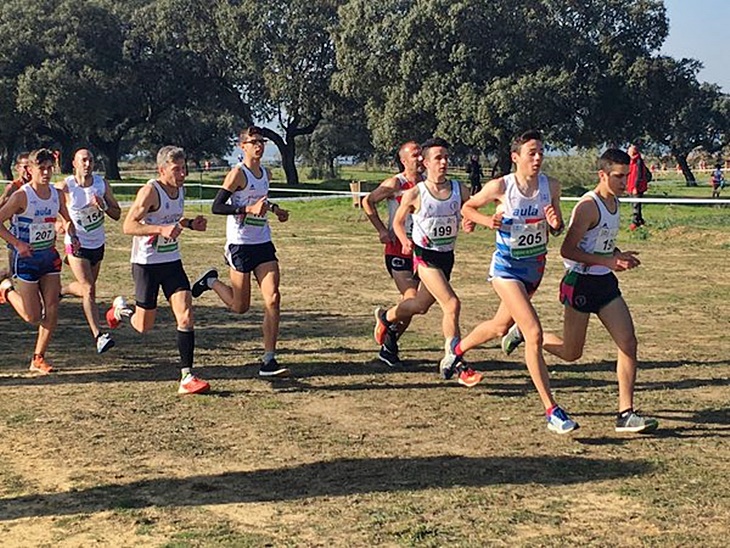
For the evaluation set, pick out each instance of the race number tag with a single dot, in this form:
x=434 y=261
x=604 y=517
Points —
x=42 y=235
x=606 y=241
x=166 y=245
x=90 y=218
x=528 y=239
x=442 y=230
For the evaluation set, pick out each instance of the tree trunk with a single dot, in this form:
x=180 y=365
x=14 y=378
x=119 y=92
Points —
x=689 y=177
x=110 y=151
x=6 y=166
x=287 y=150
x=67 y=156
x=504 y=162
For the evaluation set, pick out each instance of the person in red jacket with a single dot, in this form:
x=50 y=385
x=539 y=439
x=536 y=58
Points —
x=637 y=183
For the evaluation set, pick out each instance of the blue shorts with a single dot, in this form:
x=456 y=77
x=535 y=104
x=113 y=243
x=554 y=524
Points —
x=528 y=271
x=39 y=264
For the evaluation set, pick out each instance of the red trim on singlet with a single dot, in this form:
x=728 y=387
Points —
x=395 y=248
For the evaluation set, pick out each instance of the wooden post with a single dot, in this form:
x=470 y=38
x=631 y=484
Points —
x=355 y=187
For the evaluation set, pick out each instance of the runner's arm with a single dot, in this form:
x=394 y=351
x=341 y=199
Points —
x=15 y=204
x=493 y=191
x=145 y=201
x=113 y=209
x=384 y=191
x=408 y=204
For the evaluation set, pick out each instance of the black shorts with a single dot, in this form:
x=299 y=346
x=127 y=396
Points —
x=588 y=293
x=94 y=256
x=394 y=263
x=443 y=260
x=148 y=278
x=245 y=258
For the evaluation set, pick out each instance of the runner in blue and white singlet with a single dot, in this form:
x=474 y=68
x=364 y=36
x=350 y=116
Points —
x=521 y=240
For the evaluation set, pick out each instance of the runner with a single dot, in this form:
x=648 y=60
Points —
x=34 y=290
x=244 y=198
x=23 y=176
x=434 y=206
x=89 y=199
x=156 y=221
x=398 y=263
x=528 y=206
x=590 y=286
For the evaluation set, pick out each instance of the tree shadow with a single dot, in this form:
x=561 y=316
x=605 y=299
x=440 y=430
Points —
x=336 y=478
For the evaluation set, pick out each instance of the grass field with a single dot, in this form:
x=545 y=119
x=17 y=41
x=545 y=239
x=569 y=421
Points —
x=350 y=453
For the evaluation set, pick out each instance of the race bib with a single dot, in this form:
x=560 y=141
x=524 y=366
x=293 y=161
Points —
x=165 y=245
x=253 y=220
x=528 y=239
x=442 y=230
x=606 y=241
x=90 y=218
x=42 y=235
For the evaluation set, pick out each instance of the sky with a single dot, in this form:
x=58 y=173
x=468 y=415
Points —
x=698 y=29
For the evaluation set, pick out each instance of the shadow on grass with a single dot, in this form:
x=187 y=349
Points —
x=335 y=478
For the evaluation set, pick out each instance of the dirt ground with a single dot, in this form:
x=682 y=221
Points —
x=349 y=452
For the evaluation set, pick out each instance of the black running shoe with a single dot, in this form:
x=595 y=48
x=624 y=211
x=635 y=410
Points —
x=201 y=284
x=389 y=358
x=272 y=369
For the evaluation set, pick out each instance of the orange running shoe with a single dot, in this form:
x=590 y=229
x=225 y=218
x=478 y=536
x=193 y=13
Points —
x=381 y=328
x=193 y=385
x=469 y=378
x=39 y=365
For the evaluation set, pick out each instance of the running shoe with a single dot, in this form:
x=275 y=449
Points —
x=272 y=369
x=5 y=286
x=381 y=326
x=201 y=284
x=117 y=311
x=39 y=365
x=389 y=358
x=448 y=365
x=559 y=422
x=469 y=378
x=104 y=342
x=193 y=385
x=512 y=340
x=635 y=423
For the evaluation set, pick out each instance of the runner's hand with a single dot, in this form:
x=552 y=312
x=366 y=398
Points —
x=23 y=249
x=495 y=221
x=199 y=223
x=259 y=208
x=551 y=216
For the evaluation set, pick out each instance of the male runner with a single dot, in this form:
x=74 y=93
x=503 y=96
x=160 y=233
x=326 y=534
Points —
x=590 y=286
x=22 y=168
x=156 y=221
x=434 y=206
x=249 y=249
x=89 y=199
x=399 y=264
x=36 y=285
x=528 y=206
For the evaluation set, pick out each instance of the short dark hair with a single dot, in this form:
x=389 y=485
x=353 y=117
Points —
x=40 y=156
x=433 y=142
x=529 y=135
x=612 y=157
x=250 y=131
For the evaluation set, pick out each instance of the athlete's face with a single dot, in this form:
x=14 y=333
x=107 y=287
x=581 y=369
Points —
x=529 y=158
x=411 y=158
x=22 y=168
x=436 y=162
x=173 y=173
x=614 y=180
x=42 y=173
x=83 y=163
x=253 y=146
